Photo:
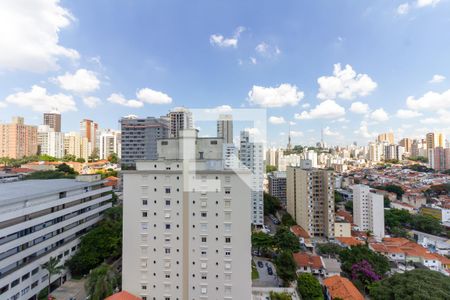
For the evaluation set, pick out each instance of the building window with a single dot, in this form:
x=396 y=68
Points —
x=167 y=190
x=227 y=239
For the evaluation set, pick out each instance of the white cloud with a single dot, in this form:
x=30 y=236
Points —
x=437 y=78
x=29 y=35
x=379 y=115
x=327 y=109
x=223 y=42
x=91 y=102
x=345 y=84
x=222 y=109
x=82 y=81
x=424 y=3
x=359 y=108
x=306 y=105
x=267 y=50
x=277 y=120
x=153 y=97
x=296 y=133
x=253 y=60
x=328 y=132
x=403 y=9
x=430 y=101
x=441 y=118
x=3 y=104
x=292 y=123
x=39 y=100
x=407 y=114
x=363 y=131
x=283 y=95
x=120 y=99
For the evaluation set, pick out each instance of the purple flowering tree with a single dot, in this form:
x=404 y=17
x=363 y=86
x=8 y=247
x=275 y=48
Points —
x=363 y=271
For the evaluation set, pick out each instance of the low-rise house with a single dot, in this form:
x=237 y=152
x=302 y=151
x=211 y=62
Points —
x=307 y=263
x=348 y=241
x=337 y=287
x=403 y=206
x=331 y=266
x=302 y=235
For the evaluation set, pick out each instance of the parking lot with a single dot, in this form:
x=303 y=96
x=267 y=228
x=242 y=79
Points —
x=265 y=280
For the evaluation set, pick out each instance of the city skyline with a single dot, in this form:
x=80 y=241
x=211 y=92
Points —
x=318 y=80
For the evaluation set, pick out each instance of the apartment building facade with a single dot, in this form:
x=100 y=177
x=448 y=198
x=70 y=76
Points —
x=17 y=139
x=310 y=199
x=368 y=210
x=40 y=219
x=277 y=185
x=180 y=118
x=186 y=224
x=53 y=120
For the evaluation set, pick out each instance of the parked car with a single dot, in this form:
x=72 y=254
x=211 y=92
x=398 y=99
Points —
x=260 y=264
x=269 y=271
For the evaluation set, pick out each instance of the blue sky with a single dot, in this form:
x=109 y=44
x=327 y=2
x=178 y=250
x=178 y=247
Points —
x=145 y=57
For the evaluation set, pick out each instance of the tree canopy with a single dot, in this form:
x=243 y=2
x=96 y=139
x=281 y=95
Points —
x=101 y=282
x=284 y=239
x=396 y=220
x=418 y=284
x=286 y=267
x=309 y=287
x=279 y=296
x=271 y=204
x=270 y=168
x=398 y=190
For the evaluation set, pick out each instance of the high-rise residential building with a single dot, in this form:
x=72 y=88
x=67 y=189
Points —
x=271 y=157
x=312 y=156
x=277 y=185
x=368 y=210
x=77 y=145
x=375 y=152
x=109 y=143
x=53 y=120
x=186 y=223
x=88 y=129
x=406 y=143
x=43 y=219
x=393 y=152
x=386 y=137
x=139 y=138
x=439 y=158
x=225 y=128
x=251 y=156
x=17 y=139
x=180 y=118
x=419 y=148
x=50 y=142
x=435 y=139
x=310 y=199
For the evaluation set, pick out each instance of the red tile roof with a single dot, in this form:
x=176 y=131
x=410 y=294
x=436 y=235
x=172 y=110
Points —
x=123 y=295
x=306 y=260
x=300 y=232
x=340 y=287
x=349 y=241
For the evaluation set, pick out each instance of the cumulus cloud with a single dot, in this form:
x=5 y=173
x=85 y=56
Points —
x=328 y=132
x=437 y=78
x=327 y=109
x=39 y=100
x=306 y=105
x=441 y=118
x=424 y=3
x=29 y=35
x=223 y=42
x=267 y=50
x=253 y=60
x=345 y=84
x=221 y=109
x=296 y=133
x=403 y=9
x=283 y=95
x=3 y=105
x=363 y=131
x=359 y=108
x=82 y=81
x=153 y=97
x=121 y=100
x=379 y=115
x=277 y=120
x=430 y=101
x=91 y=102
x=407 y=114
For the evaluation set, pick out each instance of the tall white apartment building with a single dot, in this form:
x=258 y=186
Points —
x=77 y=145
x=109 y=143
x=368 y=210
x=40 y=219
x=310 y=199
x=180 y=118
x=375 y=152
x=50 y=142
x=186 y=226
x=225 y=128
x=312 y=156
x=251 y=156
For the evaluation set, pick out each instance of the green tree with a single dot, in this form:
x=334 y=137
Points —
x=46 y=157
x=349 y=206
x=426 y=224
x=65 y=169
x=287 y=220
x=52 y=267
x=284 y=239
x=95 y=155
x=329 y=249
x=271 y=204
x=81 y=160
x=270 y=168
x=113 y=158
x=357 y=254
x=286 y=267
x=413 y=285
x=309 y=287
x=398 y=190
x=279 y=296
x=69 y=157
x=101 y=282
x=262 y=242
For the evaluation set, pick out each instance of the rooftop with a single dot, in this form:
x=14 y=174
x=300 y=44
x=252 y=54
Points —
x=340 y=287
x=26 y=189
x=123 y=295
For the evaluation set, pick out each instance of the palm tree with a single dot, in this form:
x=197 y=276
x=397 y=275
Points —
x=101 y=282
x=52 y=268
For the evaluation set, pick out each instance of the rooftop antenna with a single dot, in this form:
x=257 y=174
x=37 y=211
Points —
x=289 y=146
